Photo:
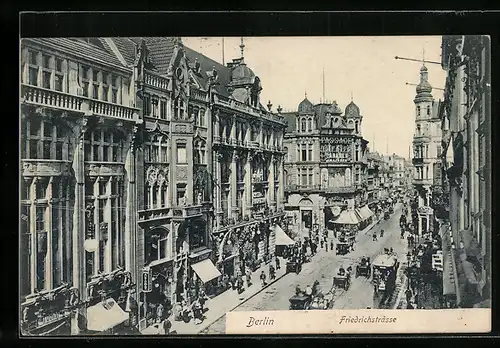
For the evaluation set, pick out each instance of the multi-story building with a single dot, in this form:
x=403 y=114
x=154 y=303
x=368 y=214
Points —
x=147 y=169
x=78 y=190
x=375 y=187
x=464 y=202
x=398 y=170
x=426 y=152
x=325 y=172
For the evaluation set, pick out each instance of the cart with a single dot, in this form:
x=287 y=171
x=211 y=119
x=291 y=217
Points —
x=385 y=267
x=293 y=267
x=364 y=268
x=387 y=215
x=299 y=302
x=342 y=280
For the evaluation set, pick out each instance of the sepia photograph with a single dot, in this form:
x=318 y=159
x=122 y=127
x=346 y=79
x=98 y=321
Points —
x=254 y=185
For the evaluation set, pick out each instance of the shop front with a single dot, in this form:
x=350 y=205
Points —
x=111 y=304
x=48 y=313
x=202 y=274
x=160 y=297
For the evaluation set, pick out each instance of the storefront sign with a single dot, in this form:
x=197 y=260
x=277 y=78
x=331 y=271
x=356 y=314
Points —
x=147 y=281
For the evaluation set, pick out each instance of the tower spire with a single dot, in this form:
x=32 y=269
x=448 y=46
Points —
x=305 y=94
x=352 y=97
x=242 y=46
x=223 y=60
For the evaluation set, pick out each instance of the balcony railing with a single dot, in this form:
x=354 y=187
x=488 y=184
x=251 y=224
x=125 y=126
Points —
x=302 y=188
x=155 y=80
x=68 y=102
x=152 y=214
x=199 y=95
x=418 y=181
x=418 y=160
x=343 y=189
x=235 y=104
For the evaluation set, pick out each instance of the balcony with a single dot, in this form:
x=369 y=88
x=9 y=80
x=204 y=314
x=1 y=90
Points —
x=38 y=96
x=233 y=104
x=343 y=189
x=421 y=138
x=418 y=181
x=302 y=188
x=155 y=80
x=243 y=221
x=199 y=95
x=153 y=214
x=39 y=167
x=417 y=161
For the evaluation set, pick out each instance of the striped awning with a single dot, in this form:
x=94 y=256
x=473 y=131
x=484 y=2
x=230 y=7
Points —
x=365 y=213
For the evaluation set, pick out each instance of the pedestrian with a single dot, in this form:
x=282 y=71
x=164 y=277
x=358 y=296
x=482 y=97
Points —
x=322 y=243
x=167 y=326
x=326 y=245
x=248 y=278
x=272 y=273
x=331 y=245
x=263 y=278
x=409 y=294
x=159 y=312
x=277 y=261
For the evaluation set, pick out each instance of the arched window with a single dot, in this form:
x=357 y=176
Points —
x=303 y=125
x=418 y=110
x=356 y=125
x=309 y=124
x=428 y=110
x=418 y=130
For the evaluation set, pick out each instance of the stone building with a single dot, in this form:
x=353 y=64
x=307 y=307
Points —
x=147 y=170
x=325 y=169
x=79 y=122
x=463 y=201
x=426 y=152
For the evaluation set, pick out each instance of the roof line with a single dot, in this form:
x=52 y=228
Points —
x=115 y=50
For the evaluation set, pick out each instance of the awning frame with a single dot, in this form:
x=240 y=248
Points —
x=101 y=314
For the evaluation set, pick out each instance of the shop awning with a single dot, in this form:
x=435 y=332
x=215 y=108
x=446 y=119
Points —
x=206 y=270
x=282 y=238
x=105 y=316
x=346 y=217
x=367 y=213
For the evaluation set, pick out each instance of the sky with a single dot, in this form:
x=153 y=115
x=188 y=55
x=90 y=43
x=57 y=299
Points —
x=361 y=67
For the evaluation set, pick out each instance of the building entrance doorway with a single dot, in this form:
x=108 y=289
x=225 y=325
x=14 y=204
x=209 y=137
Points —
x=307 y=219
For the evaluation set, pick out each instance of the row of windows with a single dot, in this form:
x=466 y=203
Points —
x=44 y=140
x=306 y=124
x=49 y=72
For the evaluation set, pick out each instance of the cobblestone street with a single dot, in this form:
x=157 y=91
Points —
x=323 y=267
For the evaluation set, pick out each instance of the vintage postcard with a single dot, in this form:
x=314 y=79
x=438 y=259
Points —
x=255 y=185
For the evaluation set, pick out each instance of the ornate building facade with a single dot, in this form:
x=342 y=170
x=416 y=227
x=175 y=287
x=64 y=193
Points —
x=78 y=125
x=326 y=171
x=426 y=153
x=148 y=171
x=463 y=202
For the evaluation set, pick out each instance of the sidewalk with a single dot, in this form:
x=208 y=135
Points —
x=223 y=303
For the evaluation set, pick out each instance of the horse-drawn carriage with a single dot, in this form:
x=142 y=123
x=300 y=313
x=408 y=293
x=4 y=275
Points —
x=364 y=267
x=343 y=278
x=293 y=266
x=345 y=244
x=300 y=302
